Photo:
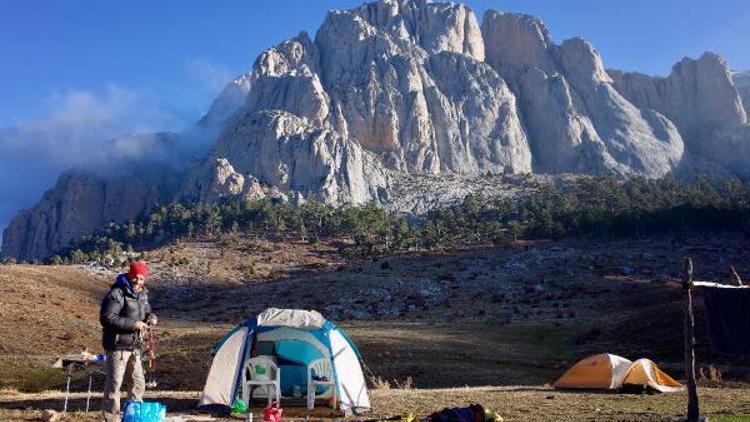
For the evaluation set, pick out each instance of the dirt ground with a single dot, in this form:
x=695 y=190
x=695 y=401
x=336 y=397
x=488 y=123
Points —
x=519 y=403
x=433 y=327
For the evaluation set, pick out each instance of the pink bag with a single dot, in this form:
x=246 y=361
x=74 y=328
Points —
x=272 y=414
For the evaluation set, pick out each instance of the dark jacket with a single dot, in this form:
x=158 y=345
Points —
x=121 y=309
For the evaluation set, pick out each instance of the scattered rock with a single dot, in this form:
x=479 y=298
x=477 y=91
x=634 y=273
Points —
x=50 y=415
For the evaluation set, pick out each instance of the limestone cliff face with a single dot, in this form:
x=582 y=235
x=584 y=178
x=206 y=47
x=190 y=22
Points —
x=392 y=86
x=400 y=90
x=700 y=97
x=407 y=81
x=80 y=203
x=286 y=153
x=574 y=118
x=742 y=83
x=231 y=98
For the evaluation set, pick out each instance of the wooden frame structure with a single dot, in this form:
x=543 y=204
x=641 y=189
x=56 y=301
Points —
x=688 y=284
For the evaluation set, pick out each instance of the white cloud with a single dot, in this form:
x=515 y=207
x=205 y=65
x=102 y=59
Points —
x=81 y=129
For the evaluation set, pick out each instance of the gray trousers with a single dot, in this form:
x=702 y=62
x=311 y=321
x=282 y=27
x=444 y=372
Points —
x=121 y=364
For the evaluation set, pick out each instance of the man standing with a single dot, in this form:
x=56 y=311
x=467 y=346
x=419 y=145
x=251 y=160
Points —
x=124 y=315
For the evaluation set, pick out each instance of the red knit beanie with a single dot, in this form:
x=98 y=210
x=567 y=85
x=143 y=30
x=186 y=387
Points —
x=138 y=268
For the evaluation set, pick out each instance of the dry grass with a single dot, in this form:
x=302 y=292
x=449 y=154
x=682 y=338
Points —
x=45 y=311
x=513 y=403
x=501 y=317
x=428 y=355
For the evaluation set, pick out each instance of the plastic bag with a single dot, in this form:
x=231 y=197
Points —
x=239 y=406
x=272 y=414
x=136 y=411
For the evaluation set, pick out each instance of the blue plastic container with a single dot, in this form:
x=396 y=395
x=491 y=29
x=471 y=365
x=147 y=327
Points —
x=144 y=412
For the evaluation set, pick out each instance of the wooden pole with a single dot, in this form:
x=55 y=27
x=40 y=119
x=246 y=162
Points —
x=687 y=284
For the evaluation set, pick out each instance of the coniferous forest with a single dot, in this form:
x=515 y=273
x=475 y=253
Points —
x=594 y=207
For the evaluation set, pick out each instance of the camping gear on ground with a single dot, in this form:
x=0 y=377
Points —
x=148 y=342
x=611 y=372
x=272 y=414
x=604 y=371
x=240 y=406
x=136 y=411
x=89 y=362
x=644 y=374
x=728 y=319
x=477 y=414
x=261 y=372
x=295 y=338
x=319 y=373
x=473 y=413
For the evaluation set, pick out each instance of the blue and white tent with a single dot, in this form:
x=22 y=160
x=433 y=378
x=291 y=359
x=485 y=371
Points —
x=295 y=338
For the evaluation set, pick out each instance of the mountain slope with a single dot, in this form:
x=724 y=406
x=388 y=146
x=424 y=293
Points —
x=700 y=97
x=398 y=89
x=576 y=120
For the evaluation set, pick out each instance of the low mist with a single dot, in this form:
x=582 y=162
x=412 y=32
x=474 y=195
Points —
x=102 y=133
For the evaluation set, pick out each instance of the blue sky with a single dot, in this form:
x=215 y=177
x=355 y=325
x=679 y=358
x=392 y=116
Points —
x=178 y=53
x=75 y=73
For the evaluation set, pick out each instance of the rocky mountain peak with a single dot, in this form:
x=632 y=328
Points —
x=400 y=90
x=515 y=39
x=230 y=99
x=297 y=54
x=581 y=60
x=710 y=78
x=699 y=96
x=435 y=27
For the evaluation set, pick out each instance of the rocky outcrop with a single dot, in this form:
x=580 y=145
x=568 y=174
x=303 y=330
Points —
x=700 y=97
x=575 y=120
x=403 y=80
x=742 y=83
x=407 y=81
x=288 y=154
x=218 y=180
x=231 y=98
x=80 y=203
x=412 y=104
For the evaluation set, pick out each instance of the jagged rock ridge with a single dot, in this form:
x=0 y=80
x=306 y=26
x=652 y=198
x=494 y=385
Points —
x=398 y=89
x=700 y=97
x=575 y=119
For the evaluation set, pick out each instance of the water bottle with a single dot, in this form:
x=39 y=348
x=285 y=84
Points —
x=297 y=391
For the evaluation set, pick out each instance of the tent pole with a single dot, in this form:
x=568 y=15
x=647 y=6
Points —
x=687 y=284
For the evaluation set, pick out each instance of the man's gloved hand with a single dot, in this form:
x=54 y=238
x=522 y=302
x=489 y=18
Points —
x=140 y=326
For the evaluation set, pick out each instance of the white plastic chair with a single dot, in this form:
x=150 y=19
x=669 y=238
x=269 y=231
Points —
x=322 y=369
x=262 y=371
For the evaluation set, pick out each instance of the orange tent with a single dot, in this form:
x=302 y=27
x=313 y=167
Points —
x=610 y=372
x=645 y=373
x=604 y=371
